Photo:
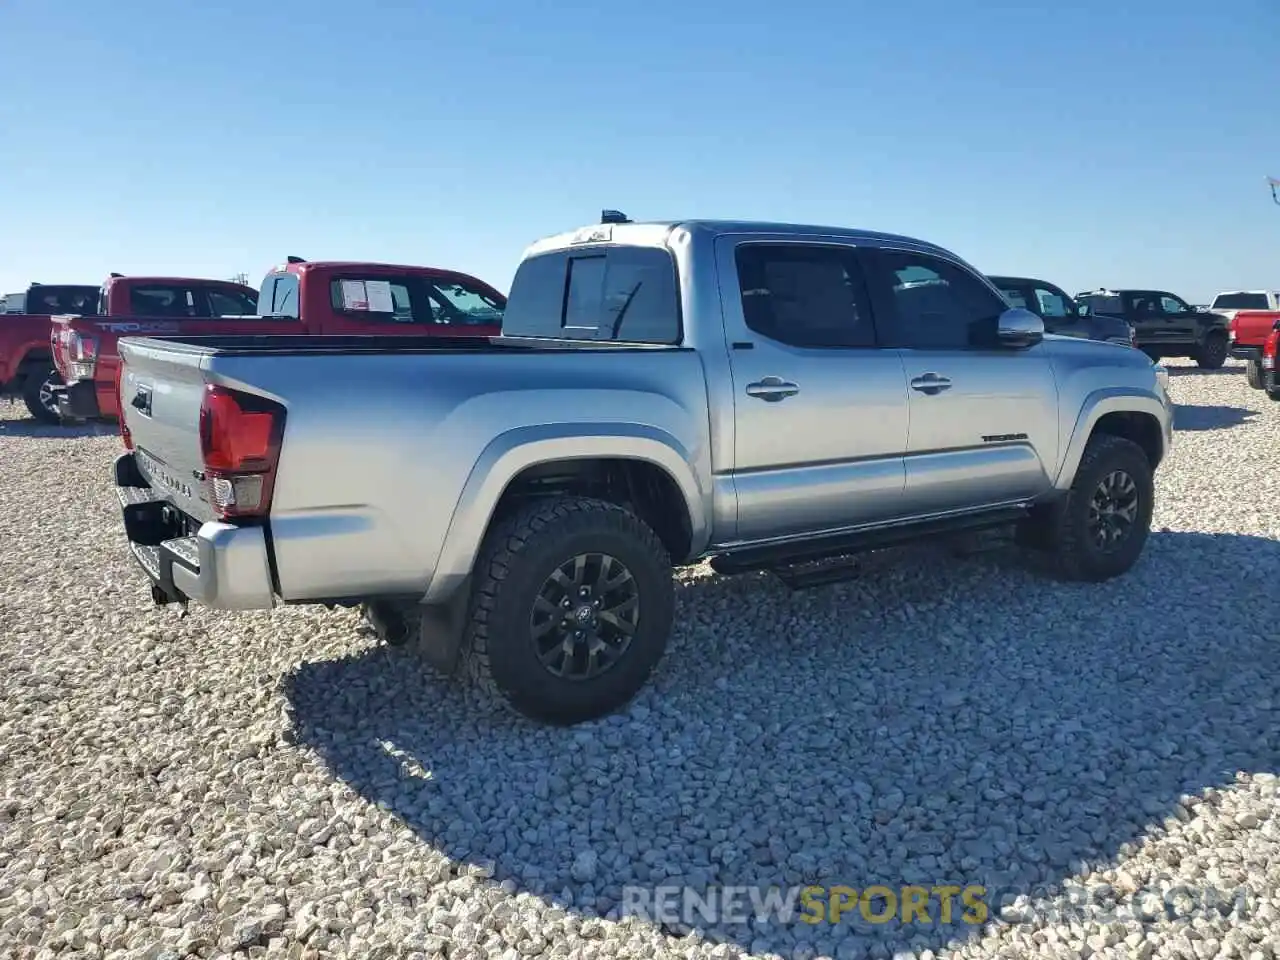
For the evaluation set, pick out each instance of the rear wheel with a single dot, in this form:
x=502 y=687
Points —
x=1212 y=354
x=1253 y=374
x=38 y=396
x=571 y=609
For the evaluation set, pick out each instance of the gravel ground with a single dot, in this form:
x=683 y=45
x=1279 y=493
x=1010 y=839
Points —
x=276 y=785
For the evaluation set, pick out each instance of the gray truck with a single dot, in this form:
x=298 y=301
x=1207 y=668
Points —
x=770 y=396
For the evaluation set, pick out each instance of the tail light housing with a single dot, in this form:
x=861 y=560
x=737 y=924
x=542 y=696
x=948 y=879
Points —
x=240 y=435
x=82 y=355
x=1269 y=349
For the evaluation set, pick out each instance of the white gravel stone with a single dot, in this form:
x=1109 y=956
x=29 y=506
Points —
x=274 y=784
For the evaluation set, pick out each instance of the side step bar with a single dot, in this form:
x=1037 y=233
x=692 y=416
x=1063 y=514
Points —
x=844 y=545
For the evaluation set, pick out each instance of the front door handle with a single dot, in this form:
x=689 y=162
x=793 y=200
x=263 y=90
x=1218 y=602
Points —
x=772 y=389
x=930 y=383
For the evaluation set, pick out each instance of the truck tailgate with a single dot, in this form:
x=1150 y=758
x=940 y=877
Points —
x=160 y=395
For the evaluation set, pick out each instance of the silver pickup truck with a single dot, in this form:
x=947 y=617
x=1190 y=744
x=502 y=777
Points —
x=770 y=396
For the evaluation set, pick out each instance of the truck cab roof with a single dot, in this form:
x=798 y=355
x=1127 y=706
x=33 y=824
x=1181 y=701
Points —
x=656 y=233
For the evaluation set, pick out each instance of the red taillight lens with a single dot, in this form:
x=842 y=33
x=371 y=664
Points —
x=240 y=438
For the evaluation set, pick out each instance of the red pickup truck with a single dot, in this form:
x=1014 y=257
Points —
x=26 y=363
x=83 y=344
x=1250 y=316
x=297 y=297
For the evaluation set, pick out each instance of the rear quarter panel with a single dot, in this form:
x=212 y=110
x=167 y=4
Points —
x=22 y=335
x=391 y=464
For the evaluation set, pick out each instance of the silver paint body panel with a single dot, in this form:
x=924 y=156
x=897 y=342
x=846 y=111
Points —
x=392 y=463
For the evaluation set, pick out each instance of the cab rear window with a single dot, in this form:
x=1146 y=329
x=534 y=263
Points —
x=620 y=294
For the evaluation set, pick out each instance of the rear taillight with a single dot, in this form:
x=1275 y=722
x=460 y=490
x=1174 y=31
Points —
x=82 y=354
x=240 y=438
x=1269 y=350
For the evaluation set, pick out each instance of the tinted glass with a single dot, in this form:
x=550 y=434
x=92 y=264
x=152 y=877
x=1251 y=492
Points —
x=626 y=294
x=1100 y=303
x=1241 y=301
x=47 y=298
x=939 y=306
x=230 y=303
x=1016 y=297
x=162 y=301
x=462 y=303
x=1052 y=304
x=805 y=296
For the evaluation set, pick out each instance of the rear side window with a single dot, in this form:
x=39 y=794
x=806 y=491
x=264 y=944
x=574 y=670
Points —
x=162 y=301
x=415 y=300
x=804 y=295
x=231 y=303
x=623 y=294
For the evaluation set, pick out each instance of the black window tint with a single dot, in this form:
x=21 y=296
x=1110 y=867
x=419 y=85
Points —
x=1143 y=304
x=162 y=301
x=229 y=303
x=1099 y=303
x=939 y=306
x=618 y=293
x=804 y=295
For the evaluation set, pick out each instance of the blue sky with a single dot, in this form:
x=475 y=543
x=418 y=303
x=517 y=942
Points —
x=1091 y=143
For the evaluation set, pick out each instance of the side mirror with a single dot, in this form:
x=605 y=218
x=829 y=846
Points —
x=1019 y=328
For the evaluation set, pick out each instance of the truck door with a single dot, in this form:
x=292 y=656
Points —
x=820 y=408
x=984 y=417
x=1179 y=317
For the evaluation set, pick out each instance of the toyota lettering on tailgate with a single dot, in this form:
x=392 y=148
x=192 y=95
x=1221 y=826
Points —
x=134 y=327
x=159 y=475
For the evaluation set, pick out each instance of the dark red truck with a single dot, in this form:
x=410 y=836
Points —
x=298 y=297
x=26 y=362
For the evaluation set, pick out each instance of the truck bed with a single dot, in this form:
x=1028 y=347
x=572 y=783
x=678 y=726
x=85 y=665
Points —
x=230 y=345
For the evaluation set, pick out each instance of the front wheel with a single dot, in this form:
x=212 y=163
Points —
x=1099 y=530
x=571 y=609
x=1212 y=354
x=38 y=396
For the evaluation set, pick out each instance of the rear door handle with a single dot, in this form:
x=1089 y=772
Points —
x=772 y=389
x=930 y=383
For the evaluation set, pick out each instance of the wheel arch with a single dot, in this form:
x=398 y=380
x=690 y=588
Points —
x=637 y=465
x=1136 y=416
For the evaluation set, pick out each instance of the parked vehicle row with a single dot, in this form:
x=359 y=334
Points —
x=511 y=506
x=298 y=298
x=26 y=364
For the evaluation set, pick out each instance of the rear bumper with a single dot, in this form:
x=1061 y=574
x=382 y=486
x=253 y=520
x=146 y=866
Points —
x=216 y=564
x=77 y=401
x=1245 y=353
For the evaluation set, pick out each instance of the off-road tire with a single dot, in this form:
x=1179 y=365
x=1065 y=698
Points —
x=32 y=388
x=1253 y=374
x=1212 y=354
x=1065 y=530
x=519 y=553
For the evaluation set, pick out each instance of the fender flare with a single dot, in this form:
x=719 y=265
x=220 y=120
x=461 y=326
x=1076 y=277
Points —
x=517 y=449
x=1097 y=405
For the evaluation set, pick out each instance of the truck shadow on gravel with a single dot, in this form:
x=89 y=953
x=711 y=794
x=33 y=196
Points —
x=1214 y=417
x=34 y=429
x=937 y=721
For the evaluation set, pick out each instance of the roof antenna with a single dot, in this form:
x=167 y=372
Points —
x=613 y=216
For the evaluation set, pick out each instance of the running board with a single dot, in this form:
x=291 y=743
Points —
x=771 y=557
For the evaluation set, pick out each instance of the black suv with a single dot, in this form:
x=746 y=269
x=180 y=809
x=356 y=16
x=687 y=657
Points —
x=1167 y=326
x=1061 y=314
